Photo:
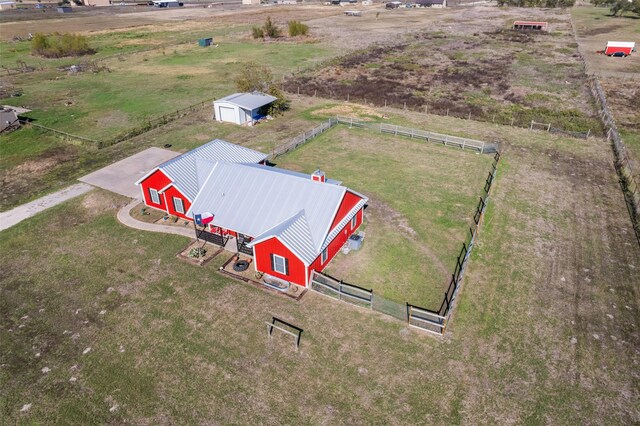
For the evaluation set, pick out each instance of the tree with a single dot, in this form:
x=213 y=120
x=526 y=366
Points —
x=257 y=78
x=619 y=7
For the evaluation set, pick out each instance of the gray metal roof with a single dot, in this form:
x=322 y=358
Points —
x=249 y=101
x=264 y=201
x=190 y=170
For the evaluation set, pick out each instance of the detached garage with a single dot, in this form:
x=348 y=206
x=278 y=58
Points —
x=242 y=108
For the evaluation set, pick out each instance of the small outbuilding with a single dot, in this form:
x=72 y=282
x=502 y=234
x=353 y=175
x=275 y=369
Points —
x=625 y=47
x=167 y=3
x=204 y=42
x=431 y=3
x=65 y=9
x=7 y=5
x=243 y=108
x=530 y=26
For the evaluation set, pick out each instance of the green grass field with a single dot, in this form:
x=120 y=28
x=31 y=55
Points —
x=530 y=341
x=102 y=324
x=421 y=203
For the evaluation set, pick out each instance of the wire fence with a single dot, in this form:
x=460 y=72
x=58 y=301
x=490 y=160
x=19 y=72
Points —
x=624 y=167
x=303 y=138
x=126 y=135
x=436 y=321
x=431 y=320
x=409 y=132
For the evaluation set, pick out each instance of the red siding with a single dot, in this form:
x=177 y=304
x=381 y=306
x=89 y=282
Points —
x=610 y=50
x=173 y=192
x=157 y=180
x=336 y=244
x=348 y=202
x=262 y=255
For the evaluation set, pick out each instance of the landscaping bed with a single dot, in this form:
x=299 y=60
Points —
x=199 y=252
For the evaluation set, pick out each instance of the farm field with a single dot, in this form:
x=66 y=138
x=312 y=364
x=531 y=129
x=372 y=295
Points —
x=421 y=203
x=100 y=323
x=126 y=91
x=545 y=329
x=620 y=78
x=467 y=65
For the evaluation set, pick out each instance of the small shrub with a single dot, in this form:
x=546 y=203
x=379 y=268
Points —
x=197 y=252
x=271 y=29
x=297 y=28
x=257 y=32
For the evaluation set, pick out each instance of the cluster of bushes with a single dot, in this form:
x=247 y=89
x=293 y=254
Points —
x=271 y=30
x=59 y=45
x=257 y=78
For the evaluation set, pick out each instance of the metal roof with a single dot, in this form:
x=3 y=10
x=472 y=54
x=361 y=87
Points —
x=189 y=171
x=249 y=101
x=264 y=202
x=621 y=43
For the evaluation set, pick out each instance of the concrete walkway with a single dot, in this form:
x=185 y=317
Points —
x=25 y=211
x=125 y=218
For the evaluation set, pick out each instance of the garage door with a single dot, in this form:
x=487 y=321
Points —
x=227 y=114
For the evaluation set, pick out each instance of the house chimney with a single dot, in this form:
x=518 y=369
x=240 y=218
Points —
x=318 y=176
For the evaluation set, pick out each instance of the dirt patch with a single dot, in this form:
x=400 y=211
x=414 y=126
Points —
x=601 y=30
x=20 y=179
x=450 y=71
x=96 y=203
x=349 y=110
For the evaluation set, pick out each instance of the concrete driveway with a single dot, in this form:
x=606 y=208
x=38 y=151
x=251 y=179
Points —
x=121 y=177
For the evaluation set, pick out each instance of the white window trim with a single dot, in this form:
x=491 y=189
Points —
x=156 y=199
x=284 y=264
x=354 y=220
x=324 y=256
x=175 y=206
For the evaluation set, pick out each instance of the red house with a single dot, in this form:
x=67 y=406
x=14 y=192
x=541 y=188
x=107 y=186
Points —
x=291 y=223
x=173 y=185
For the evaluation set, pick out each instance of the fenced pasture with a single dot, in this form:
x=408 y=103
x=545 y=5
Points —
x=422 y=198
x=173 y=343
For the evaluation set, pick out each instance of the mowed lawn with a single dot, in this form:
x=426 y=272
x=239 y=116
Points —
x=545 y=330
x=421 y=203
x=145 y=85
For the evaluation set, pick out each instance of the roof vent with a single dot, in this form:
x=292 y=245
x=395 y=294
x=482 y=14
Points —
x=318 y=176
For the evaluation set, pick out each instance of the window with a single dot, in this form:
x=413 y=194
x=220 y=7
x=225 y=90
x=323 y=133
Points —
x=279 y=264
x=178 y=205
x=324 y=256
x=354 y=220
x=155 y=198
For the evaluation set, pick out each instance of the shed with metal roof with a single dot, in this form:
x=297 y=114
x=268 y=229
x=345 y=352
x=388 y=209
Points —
x=243 y=108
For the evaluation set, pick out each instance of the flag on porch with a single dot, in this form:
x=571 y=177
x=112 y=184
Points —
x=203 y=218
